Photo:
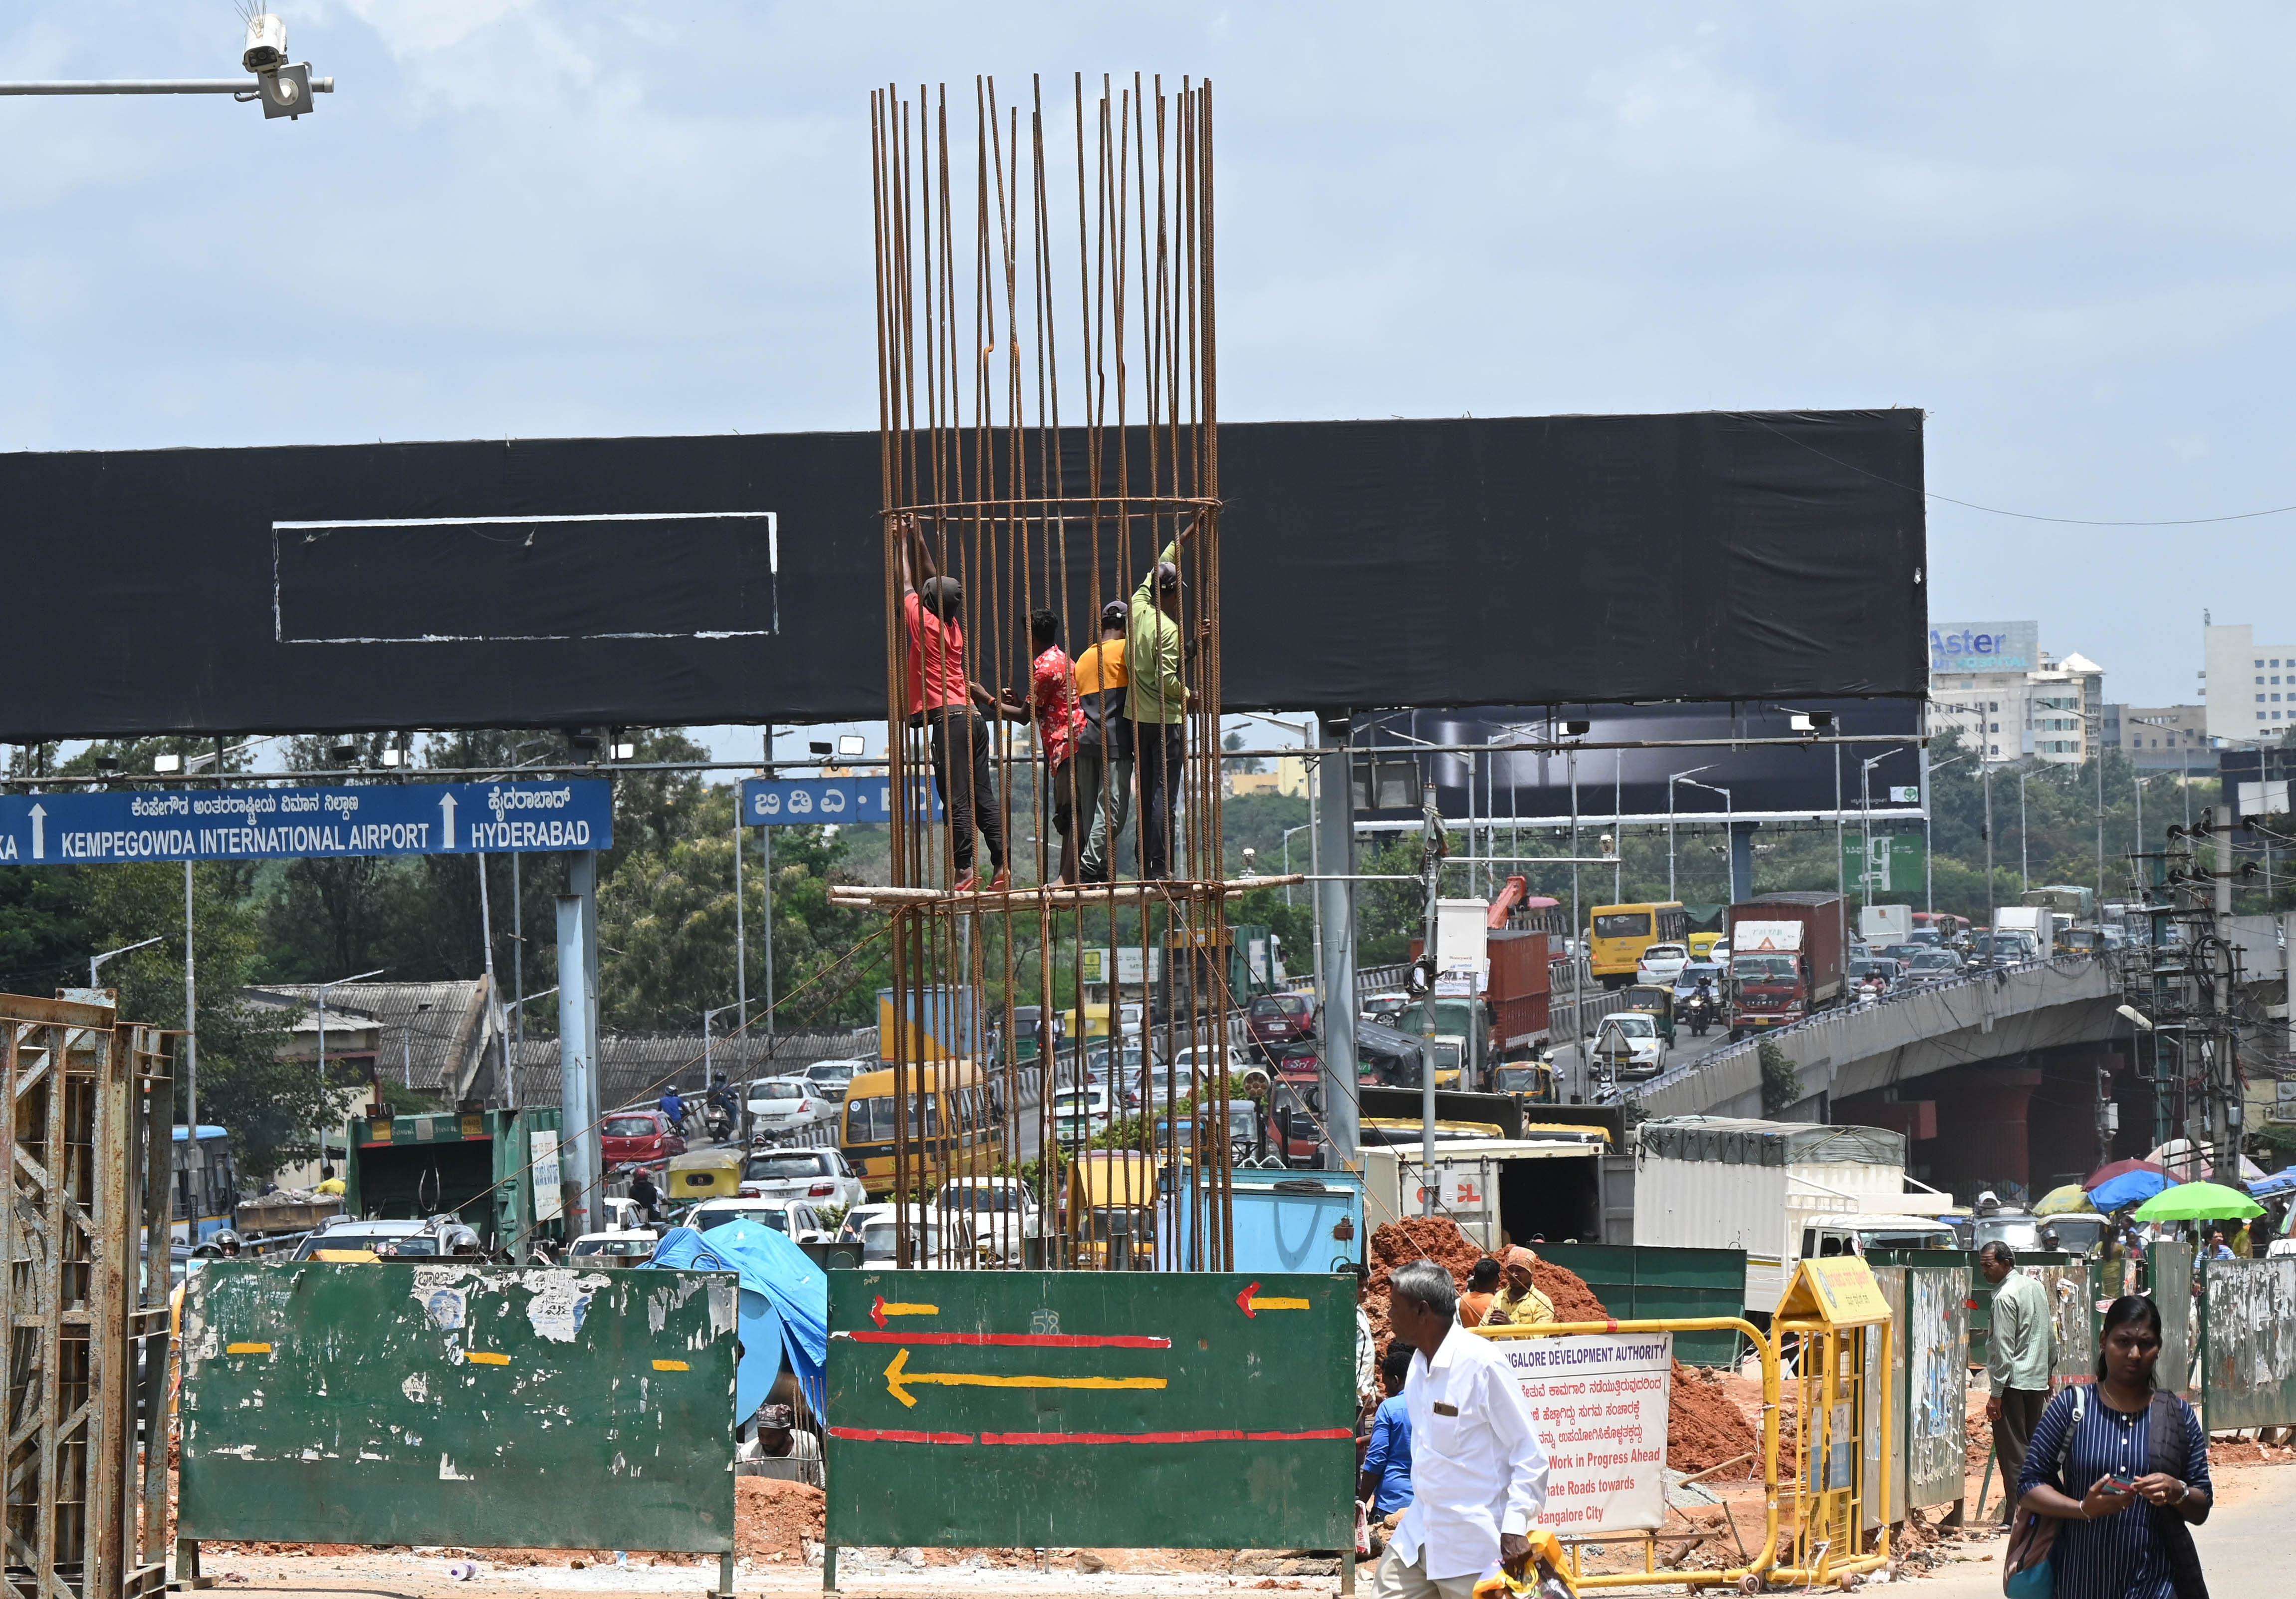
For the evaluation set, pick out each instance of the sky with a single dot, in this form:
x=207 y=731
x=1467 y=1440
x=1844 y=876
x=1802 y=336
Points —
x=2062 y=231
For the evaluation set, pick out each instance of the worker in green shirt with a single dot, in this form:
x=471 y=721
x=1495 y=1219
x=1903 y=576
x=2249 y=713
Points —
x=2017 y=1358
x=1160 y=701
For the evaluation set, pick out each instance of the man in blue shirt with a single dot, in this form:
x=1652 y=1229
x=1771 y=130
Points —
x=1386 y=1480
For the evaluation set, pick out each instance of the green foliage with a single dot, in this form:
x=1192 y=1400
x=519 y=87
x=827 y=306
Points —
x=1780 y=1082
x=667 y=914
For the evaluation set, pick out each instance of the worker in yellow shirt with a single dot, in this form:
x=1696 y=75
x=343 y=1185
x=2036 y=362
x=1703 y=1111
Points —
x=329 y=1183
x=1520 y=1303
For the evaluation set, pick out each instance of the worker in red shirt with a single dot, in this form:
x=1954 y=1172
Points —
x=1053 y=705
x=942 y=700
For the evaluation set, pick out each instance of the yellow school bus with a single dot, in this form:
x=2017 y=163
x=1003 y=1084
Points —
x=1621 y=933
x=959 y=1131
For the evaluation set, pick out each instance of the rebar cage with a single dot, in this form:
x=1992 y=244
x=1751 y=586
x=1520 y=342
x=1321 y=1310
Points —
x=89 y=1114
x=1059 y=1038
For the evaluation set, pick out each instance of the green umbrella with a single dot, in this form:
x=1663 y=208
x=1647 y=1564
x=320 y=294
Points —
x=2198 y=1202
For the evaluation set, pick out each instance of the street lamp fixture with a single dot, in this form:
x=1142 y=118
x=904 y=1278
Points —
x=95 y=961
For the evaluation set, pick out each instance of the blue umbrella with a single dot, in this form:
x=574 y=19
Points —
x=2130 y=1188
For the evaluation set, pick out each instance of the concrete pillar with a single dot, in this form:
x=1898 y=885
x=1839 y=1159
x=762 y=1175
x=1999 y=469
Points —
x=1336 y=846
x=583 y=1169
x=1742 y=861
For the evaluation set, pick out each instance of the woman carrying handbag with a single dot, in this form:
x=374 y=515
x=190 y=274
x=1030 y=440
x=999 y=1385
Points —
x=2141 y=1464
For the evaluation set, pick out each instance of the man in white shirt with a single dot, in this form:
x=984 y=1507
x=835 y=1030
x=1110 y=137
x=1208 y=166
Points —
x=1478 y=1470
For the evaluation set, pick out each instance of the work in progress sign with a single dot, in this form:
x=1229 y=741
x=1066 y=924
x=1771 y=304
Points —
x=1600 y=1402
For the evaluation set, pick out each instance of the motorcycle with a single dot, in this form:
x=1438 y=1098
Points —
x=1698 y=1010
x=717 y=1120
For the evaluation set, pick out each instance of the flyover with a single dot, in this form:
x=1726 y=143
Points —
x=2014 y=1012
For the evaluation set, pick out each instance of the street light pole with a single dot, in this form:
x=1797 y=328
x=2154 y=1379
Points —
x=1671 y=780
x=95 y=961
x=1866 y=803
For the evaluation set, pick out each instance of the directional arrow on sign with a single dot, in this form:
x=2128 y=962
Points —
x=1252 y=1302
x=39 y=832
x=900 y=1379
x=446 y=805
x=881 y=1310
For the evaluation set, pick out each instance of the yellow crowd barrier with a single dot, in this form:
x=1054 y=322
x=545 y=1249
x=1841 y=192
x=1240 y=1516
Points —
x=1841 y=1326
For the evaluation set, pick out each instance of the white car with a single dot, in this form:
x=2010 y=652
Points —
x=1661 y=962
x=832 y=1077
x=1633 y=1037
x=878 y=1239
x=795 y=1217
x=997 y=1214
x=778 y=1105
x=820 y=1177
x=1078 y=1113
x=622 y=1247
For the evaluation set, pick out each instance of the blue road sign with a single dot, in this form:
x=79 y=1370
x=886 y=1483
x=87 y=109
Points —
x=293 y=824
x=808 y=802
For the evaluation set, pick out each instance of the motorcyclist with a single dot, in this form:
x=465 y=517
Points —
x=671 y=1105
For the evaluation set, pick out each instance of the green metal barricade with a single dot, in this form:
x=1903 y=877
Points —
x=457 y=1402
x=1638 y=1282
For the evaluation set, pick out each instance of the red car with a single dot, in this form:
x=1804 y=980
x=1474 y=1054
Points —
x=1275 y=1020
x=638 y=1138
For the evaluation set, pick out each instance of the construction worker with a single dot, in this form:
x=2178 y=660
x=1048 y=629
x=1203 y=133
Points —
x=1520 y=1303
x=942 y=701
x=1158 y=702
x=1101 y=767
x=1051 y=705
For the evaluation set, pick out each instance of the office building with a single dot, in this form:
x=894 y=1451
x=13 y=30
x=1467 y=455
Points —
x=1993 y=683
x=2250 y=686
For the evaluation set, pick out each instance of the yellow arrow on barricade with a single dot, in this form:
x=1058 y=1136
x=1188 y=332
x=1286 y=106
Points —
x=900 y=1379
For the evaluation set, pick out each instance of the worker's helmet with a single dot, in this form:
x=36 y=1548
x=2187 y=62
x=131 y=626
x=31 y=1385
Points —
x=225 y=1239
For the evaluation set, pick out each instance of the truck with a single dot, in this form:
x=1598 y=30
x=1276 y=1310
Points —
x=1778 y=1190
x=1785 y=959
x=497 y=1170
x=2035 y=922
x=1498 y=1190
x=1879 y=925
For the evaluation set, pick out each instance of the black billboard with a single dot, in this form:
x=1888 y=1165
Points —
x=656 y=581
x=1810 y=762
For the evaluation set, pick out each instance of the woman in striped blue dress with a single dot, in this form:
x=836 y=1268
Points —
x=2114 y=1533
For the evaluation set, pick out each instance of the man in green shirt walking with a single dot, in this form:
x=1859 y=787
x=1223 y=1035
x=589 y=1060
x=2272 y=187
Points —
x=2017 y=1358
x=1159 y=705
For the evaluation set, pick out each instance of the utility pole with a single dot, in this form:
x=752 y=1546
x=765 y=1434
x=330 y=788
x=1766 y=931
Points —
x=1432 y=846
x=1992 y=950
x=1331 y=782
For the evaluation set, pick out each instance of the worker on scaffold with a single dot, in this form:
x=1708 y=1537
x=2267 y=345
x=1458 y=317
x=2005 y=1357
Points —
x=1160 y=701
x=941 y=700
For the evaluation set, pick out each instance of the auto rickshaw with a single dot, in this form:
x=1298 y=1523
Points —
x=1530 y=1081
x=1656 y=1001
x=704 y=1174
x=1111 y=1210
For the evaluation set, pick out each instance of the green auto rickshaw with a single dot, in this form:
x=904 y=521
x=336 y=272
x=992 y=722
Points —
x=1656 y=1001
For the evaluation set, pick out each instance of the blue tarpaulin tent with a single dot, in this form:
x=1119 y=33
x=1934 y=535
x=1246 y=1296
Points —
x=784 y=1305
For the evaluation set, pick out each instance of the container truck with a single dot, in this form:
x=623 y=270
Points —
x=1720 y=1183
x=2035 y=922
x=1879 y=925
x=1497 y=1190
x=1785 y=959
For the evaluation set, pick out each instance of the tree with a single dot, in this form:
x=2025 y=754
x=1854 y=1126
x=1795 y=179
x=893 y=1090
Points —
x=271 y=1107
